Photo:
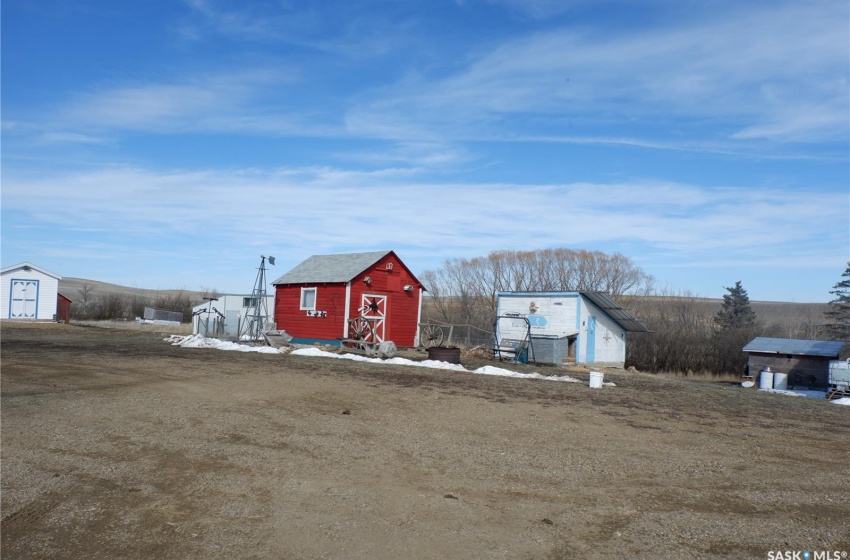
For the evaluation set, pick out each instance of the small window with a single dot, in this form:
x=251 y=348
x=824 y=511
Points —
x=308 y=298
x=249 y=302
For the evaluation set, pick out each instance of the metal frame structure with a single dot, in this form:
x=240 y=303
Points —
x=254 y=326
x=210 y=311
x=513 y=350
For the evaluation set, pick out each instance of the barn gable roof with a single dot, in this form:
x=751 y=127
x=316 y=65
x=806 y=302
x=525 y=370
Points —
x=794 y=347
x=330 y=269
x=32 y=266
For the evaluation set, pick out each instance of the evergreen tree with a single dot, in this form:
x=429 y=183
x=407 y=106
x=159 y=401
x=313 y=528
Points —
x=736 y=312
x=837 y=326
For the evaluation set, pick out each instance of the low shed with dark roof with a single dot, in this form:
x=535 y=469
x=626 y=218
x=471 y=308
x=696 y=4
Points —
x=315 y=301
x=805 y=361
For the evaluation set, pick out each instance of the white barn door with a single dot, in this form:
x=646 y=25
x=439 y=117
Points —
x=23 y=303
x=373 y=308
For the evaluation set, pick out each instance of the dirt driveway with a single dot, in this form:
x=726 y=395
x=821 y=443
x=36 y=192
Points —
x=118 y=445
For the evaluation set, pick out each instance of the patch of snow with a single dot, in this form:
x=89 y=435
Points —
x=200 y=341
x=433 y=364
x=807 y=393
x=797 y=393
x=783 y=392
x=491 y=370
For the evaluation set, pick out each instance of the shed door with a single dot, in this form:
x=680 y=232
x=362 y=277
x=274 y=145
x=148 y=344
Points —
x=373 y=308
x=24 y=299
x=591 y=338
x=231 y=322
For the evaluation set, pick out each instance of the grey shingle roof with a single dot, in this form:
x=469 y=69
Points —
x=825 y=348
x=320 y=269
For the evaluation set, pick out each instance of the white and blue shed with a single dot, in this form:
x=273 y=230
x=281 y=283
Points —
x=594 y=326
x=28 y=292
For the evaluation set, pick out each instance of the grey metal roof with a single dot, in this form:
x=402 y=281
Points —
x=614 y=310
x=825 y=348
x=320 y=269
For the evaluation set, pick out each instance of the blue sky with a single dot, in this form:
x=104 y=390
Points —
x=168 y=144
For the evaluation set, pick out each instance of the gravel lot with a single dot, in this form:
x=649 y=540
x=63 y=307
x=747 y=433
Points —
x=118 y=445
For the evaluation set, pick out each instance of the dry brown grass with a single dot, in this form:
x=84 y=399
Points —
x=183 y=328
x=118 y=445
x=71 y=288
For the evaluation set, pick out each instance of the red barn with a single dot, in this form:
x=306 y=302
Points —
x=315 y=300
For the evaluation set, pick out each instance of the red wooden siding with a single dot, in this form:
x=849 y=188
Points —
x=401 y=314
x=402 y=307
x=63 y=309
x=290 y=317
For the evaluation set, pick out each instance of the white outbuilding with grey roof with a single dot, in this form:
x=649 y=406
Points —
x=28 y=292
x=593 y=325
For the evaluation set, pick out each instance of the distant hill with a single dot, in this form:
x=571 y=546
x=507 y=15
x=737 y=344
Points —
x=766 y=311
x=72 y=288
x=771 y=312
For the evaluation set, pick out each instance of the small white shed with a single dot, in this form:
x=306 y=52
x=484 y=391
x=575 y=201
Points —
x=224 y=316
x=594 y=325
x=28 y=292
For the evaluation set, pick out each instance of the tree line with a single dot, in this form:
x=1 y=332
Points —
x=464 y=292
x=688 y=334
x=94 y=305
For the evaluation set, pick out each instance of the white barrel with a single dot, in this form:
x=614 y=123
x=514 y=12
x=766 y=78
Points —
x=595 y=379
x=780 y=381
x=766 y=379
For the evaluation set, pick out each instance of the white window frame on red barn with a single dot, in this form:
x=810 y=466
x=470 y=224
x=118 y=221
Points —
x=301 y=301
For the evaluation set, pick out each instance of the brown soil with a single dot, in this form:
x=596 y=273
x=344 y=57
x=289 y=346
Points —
x=118 y=445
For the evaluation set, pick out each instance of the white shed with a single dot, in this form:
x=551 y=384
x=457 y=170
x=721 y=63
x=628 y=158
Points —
x=594 y=326
x=28 y=292
x=224 y=316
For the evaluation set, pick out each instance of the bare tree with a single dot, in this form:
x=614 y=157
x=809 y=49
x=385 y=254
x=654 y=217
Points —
x=465 y=291
x=85 y=301
x=680 y=340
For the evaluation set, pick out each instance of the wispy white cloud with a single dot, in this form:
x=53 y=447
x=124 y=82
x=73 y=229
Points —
x=754 y=64
x=537 y=9
x=426 y=111
x=717 y=147
x=341 y=28
x=428 y=155
x=725 y=84
x=177 y=106
x=328 y=209
x=71 y=138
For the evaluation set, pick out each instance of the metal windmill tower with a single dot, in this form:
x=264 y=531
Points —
x=257 y=316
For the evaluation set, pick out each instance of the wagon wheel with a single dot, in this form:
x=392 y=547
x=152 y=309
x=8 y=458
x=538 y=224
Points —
x=360 y=329
x=431 y=336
